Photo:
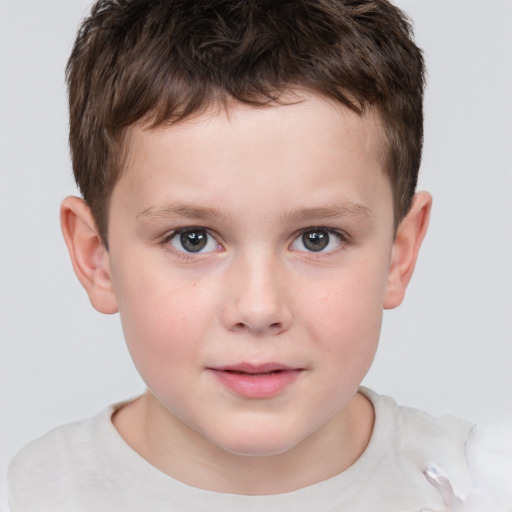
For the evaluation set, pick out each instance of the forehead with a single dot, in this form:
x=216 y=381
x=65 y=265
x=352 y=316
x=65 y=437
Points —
x=321 y=116
x=300 y=146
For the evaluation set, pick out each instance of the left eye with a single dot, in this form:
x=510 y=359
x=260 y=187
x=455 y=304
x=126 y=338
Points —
x=194 y=240
x=317 y=240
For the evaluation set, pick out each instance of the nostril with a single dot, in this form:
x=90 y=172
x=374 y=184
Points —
x=241 y=326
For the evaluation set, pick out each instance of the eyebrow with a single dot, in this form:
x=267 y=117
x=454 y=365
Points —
x=338 y=210
x=181 y=210
x=343 y=209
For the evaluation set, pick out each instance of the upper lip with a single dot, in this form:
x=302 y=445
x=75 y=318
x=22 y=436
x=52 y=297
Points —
x=254 y=368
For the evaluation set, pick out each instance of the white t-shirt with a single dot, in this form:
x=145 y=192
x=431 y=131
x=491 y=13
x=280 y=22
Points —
x=87 y=466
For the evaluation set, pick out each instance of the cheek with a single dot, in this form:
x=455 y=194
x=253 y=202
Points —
x=163 y=323
x=345 y=313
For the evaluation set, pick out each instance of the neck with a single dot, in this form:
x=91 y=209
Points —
x=184 y=454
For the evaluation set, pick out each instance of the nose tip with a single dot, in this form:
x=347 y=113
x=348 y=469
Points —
x=257 y=303
x=259 y=326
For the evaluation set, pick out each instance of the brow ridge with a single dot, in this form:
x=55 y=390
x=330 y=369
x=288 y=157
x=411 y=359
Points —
x=180 y=210
x=344 y=209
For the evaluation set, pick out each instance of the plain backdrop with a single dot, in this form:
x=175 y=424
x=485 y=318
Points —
x=447 y=349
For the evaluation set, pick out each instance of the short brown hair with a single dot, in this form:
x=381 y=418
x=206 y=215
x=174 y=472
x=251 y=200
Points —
x=160 y=61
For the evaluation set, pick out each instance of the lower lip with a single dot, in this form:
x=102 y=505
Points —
x=264 y=385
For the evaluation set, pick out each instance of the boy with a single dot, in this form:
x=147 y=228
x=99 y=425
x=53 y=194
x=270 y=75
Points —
x=248 y=171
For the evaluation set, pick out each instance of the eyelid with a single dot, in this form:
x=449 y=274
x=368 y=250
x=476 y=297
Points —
x=342 y=236
x=171 y=234
x=189 y=254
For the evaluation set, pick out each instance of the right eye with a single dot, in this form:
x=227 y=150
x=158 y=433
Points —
x=193 y=240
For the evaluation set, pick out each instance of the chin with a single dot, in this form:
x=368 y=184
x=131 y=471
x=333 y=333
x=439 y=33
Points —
x=257 y=450
x=261 y=444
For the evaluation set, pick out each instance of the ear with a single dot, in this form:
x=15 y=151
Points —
x=406 y=246
x=88 y=255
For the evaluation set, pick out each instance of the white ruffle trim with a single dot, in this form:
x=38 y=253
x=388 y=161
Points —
x=489 y=456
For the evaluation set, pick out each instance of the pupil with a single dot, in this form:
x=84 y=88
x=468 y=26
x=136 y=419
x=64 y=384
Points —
x=315 y=240
x=193 y=241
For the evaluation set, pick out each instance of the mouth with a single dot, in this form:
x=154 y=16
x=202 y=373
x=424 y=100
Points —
x=255 y=369
x=256 y=381
x=254 y=374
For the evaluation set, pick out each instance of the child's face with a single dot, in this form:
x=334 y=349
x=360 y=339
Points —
x=254 y=242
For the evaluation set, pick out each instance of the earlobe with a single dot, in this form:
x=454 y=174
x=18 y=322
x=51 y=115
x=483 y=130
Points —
x=88 y=255
x=409 y=236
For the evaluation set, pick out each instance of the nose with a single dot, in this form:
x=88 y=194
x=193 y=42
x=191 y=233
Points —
x=256 y=299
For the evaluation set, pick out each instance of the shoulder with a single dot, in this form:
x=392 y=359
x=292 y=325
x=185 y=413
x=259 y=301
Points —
x=54 y=467
x=474 y=463
x=57 y=445
x=442 y=437
x=410 y=440
x=416 y=431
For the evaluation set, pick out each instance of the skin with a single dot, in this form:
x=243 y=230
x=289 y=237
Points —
x=253 y=180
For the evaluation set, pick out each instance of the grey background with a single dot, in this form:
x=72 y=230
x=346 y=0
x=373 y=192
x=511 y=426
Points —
x=447 y=349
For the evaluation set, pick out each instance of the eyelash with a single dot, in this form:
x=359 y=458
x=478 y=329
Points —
x=341 y=236
x=188 y=255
